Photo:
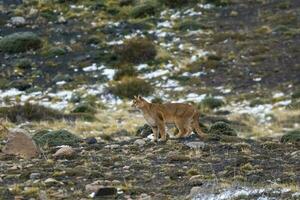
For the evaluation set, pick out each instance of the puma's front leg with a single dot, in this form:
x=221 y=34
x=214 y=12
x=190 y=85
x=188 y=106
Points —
x=155 y=132
x=162 y=131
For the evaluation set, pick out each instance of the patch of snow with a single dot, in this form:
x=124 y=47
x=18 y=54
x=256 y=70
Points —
x=278 y=95
x=91 y=68
x=156 y=73
x=10 y=93
x=283 y=103
x=61 y=82
x=165 y=24
x=142 y=66
x=257 y=79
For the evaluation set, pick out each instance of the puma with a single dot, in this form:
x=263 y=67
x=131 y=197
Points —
x=184 y=116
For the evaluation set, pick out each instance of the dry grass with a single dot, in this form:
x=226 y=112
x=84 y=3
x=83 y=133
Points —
x=283 y=120
x=108 y=121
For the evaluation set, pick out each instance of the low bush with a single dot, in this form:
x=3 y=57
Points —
x=128 y=87
x=291 y=136
x=29 y=112
x=136 y=51
x=211 y=103
x=20 y=42
x=145 y=9
x=56 y=138
x=222 y=128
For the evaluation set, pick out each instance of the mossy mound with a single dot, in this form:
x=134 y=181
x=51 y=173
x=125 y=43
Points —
x=222 y=128
x=291 y=136
x=128 y=87
x=56 y=138
x=20 y=42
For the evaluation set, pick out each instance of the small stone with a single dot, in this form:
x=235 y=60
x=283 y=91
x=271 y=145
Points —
x=50 y=181
x=140 y=142
x=35 y=176
x=64 y=152
x=91 y=140
x=19 y=143
x=18 y=21
x=233 y=13
x=196 y=145
x=194 y=192
x=93 y=187
x=106 y=191
x=61 y=19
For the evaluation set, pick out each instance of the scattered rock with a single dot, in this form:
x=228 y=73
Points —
x=20 y=144
x=35 y=176
x=50 y=181
x=194 y=192
x=196 y=145
x=106 y=191
x=93 y=187
x=140 y=142
x=91 y=140
x=144 y=131
x=18 y=21
x=64 y=152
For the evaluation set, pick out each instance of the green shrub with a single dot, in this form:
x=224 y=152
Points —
x=84 y=108
x=296 y=94
x=125 y=71
x=256 y=102
x=219 y=2
x=211 y=103
x=4 y=83
x=222 y=128
x=136 y=51
x=29 y=112
x=178 y=3
x=128 y=87
x=56 y=51
x=189 y=24
x=20 y=42
x=24 y=63
x=291 y=136
x=145 y=9
x=56 y=138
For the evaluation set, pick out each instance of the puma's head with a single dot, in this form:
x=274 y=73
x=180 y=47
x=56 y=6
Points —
x=139 y=102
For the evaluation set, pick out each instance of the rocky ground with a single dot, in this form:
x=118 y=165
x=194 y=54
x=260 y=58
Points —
x=75 y=65
x=215 y=167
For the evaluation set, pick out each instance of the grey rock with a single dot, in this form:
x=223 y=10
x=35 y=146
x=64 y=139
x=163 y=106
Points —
x=35 y=176
x=140 y=142
x=18 y=21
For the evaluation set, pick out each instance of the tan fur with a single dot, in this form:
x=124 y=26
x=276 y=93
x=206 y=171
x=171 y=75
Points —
x=184 y=116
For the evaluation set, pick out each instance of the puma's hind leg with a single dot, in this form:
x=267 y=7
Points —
x=183 y=129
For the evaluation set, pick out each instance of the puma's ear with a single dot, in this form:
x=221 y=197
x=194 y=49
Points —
x=134 y=97
x=139 y=97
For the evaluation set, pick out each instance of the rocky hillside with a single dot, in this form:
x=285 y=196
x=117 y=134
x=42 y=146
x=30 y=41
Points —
x=70 y=68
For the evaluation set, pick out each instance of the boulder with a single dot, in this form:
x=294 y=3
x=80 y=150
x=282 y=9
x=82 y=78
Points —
x=19 y=143
x=18 y=21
